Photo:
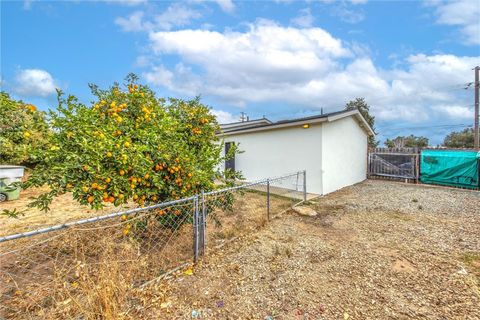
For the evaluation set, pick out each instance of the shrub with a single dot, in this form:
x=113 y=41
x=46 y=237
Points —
x=23 y=132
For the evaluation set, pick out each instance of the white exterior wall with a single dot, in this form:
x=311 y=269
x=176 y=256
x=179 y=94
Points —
x=344 y=154
x=277 y=152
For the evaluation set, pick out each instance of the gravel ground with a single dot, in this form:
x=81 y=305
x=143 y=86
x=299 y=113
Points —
x=376 y=250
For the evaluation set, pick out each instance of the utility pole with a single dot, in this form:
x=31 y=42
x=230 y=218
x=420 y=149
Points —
x=476 y=142
x=243 y=117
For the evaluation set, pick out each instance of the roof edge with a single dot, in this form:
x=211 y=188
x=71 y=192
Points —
x=308 y=120
x=272 y=126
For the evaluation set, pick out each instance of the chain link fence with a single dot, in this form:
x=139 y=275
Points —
x=92 y=268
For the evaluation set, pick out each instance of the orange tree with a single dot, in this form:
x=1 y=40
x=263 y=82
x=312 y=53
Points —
x=126 y=146
x=23 y=132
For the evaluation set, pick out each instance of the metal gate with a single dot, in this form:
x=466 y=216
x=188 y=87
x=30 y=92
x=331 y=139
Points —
x=394 y=163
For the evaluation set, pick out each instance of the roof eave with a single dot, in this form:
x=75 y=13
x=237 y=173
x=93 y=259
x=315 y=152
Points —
x=273 y=126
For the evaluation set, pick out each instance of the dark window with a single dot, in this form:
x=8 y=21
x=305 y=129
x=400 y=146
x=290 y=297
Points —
x=230 y=163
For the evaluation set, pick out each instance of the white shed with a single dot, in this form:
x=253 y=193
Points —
x=332 y=148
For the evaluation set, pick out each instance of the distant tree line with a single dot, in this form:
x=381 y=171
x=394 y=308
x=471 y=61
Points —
x=410 y=141
x=455 y=139
x=460 y=139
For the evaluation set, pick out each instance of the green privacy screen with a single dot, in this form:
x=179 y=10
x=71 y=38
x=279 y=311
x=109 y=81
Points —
x=451 y=168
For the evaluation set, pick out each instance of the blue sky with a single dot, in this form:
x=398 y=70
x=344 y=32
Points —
x=281 y=59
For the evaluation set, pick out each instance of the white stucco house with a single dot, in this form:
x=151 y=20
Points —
x=331 y=147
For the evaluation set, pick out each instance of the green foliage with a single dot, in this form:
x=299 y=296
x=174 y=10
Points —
x=364 y=108
x=410 y=141
x=459 y=139
x=23 y=132
x=128 y=145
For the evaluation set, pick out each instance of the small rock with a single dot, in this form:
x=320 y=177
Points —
x=462 y=271
x=305 y=211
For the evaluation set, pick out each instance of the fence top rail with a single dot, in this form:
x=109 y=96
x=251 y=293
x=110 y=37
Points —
x=253 y=183
x=396 y=150
x=94 y=219
x=133 y=211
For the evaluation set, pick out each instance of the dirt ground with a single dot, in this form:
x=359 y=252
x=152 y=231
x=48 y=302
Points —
x=377 y=250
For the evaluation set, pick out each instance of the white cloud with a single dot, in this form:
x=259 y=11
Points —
x=226 y=5
x=175 y=15
x=143 y=61
x=457 y=112
x=358 y=1
x=134 y=22
x=348 y=15
x=160 y=76
x=462 y=13
x=34 y=83
x=224 y=116
x=304 y=19
x=307 y=68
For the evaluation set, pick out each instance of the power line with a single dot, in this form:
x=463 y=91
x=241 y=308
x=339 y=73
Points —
x=386 y=130
x=433 y=126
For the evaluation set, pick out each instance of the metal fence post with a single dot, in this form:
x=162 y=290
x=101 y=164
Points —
x=304 y=185
x=195 y=229
x=203 y=224
x=268 y=199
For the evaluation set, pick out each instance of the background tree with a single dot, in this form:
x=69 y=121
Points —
x=410 y=141
x=364 y=108
x=23 y=132
x=460 y=139
x=128 y=146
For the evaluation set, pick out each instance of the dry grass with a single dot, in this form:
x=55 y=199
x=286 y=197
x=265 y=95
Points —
x=95 y=271
x=63 y=209
x=89 y=270
x=100 y=290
